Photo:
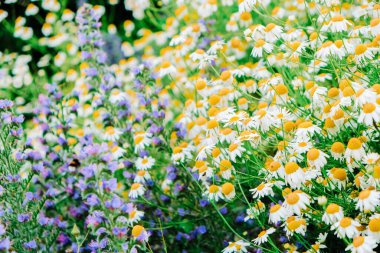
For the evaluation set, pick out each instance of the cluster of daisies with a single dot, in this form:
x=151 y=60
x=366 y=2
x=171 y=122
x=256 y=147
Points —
x=208 y=126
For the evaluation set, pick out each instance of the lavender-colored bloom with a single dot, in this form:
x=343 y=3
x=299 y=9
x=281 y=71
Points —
x=18 y=119
x=203 y=202
x=30 y=245
x=5 y=244
x=143 y=153
x=2 y=229
x=283 y=239
x=43 y=220
x=164 y=198
x=156 y=141
x=93 y=245
x=119 y=232
x=93 y=200
x=103 y=243
x=6 y=117
x=178 y=237
x=128 y=164
x=86 y=55
x=223 y=210
x=88 y=171
x=116 y=202
x=182 y=212
x=171 y=176
x=101 y=230
x=5 y=104
x=17 y=132
x=24 y=217
x=299 y=245
x=202 y=230
x=90 y=72
x=34 y=155
x=110 y=185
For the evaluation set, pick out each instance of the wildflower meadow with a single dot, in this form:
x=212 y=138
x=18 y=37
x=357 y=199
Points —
x=189 y=126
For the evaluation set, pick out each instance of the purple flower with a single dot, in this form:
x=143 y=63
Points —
x=116 y=202
x=88 y=171
x=203 y=202
x=103 y=243
x=2 y=229
x=90 y=72
x=6 y=117
x=18 y=119
x=110 y=185
x=182 y=212
x=93 y=200
x=223 y=210
x=30 y=245
x=202 y=230
x=24 y=217
x=5 y=104
x=86 y=55
x=119 y=232
x=5 y=244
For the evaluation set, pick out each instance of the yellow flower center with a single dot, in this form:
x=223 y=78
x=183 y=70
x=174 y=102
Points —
x=259 y=43
x=227 y=188
x=358 y=241
x=291 y=167
x=364 y=194
x=225 y=165
x=215 y=152
x=200 y=84
x=354 y=144
x=225 y=75
x=110 y=130
x=360 y=49
x=340 y=174
x=275 y=208
x=274 y=166
x=232 y=147
x=281 y=89
x=337 y=18
x=313 y=154
x=213 y=189
x=292 y=198
x=135 y=186
x=374 y=225
x=137 y=230
x=369 y=108
x=262 y=233
x=332 y=208
x=212 y=124
x=337 y=147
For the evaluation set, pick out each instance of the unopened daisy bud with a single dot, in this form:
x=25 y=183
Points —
x=112 y=29
x=322 y=200
x=31 y=10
